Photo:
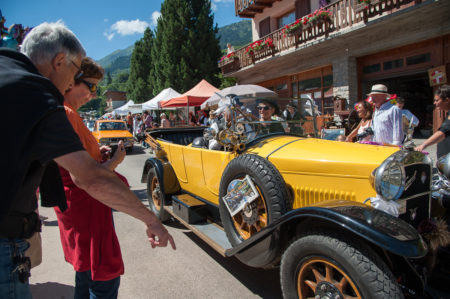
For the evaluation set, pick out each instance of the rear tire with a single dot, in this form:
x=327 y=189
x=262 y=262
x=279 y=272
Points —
x=156 y=200
x=324 y=263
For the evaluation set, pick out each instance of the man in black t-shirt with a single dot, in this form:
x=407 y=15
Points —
x=32 y=86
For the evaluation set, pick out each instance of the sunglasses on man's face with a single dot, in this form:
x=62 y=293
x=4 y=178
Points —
x=91 y=86
x=263 y=107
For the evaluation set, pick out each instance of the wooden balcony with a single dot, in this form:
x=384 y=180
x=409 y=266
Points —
x=249 y=8
x=345 y=14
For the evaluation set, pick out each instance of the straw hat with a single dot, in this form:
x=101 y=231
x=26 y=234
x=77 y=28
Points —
x=378 y=89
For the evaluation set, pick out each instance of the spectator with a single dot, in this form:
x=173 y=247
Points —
x=86 y=227
x=387 y=118
x=130 y=122
x=365 y=111
x=202 y=118
x=148 y=120
x=172 y=119
x=230 y=48
x=409 y=120
x=165 y=123
x=38 y=80
x=293 y=117
x=192 y=119
x=442 y=102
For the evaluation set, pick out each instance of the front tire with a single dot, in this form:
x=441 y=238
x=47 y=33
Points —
x=325 y=264
x=156 y=200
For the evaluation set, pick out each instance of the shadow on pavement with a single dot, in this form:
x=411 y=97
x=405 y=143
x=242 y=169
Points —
x=50 y=223
x=141 y=194
x=263 y=282
x=137 y=150
x=51 y=290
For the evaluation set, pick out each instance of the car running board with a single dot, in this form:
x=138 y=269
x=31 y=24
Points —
x=209 y=232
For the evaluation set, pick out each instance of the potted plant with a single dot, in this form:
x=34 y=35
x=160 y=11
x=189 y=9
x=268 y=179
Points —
x=258 y=47
x=294 y=28
x=361 y=5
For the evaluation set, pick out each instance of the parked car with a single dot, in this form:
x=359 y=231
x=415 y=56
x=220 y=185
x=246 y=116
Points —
x=110 y=132
x=294 y=201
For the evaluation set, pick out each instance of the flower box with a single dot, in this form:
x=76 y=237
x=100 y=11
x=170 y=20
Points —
x=295 y=31
x=230 y=65
x=360 y=7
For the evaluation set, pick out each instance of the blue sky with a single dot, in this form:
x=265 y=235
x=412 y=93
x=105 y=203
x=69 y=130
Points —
x=102 y=26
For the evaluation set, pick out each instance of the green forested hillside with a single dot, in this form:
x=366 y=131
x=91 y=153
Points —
x=237 y=34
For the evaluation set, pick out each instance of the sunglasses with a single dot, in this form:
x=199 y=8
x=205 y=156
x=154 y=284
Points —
x=263 y=107
x=91 y=86
x=80 y=72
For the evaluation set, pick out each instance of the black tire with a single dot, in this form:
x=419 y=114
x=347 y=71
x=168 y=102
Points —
x=363 y=271
x=156 y=200
x=267 y=208
x=129 y=149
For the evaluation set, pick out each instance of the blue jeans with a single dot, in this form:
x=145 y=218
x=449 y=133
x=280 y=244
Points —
x=86 y=288
x=10 y=286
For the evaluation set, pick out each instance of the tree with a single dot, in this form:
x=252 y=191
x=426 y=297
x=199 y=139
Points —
x=139 y=87
x=108 y=78
x=186 y=49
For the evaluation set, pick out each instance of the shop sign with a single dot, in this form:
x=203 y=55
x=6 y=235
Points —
x=437 y=75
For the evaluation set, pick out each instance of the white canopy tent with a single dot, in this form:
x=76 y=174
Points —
x=249 y=90
x=164 y=95
x=123 y=110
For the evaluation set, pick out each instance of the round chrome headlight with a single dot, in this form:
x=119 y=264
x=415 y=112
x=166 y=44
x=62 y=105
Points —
x=390 y=179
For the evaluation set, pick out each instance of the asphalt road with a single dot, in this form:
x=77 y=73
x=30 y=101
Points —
x=194 y=270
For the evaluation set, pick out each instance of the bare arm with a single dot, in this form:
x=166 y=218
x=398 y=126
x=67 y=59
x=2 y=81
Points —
x=438 y=136
x=118 y=157
x=103 y=185
x=352 y=135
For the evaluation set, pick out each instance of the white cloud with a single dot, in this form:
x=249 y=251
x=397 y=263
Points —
x=109 y=36
x=124 y=27
x=213 y=6
x=105 y=20
x=155 y=15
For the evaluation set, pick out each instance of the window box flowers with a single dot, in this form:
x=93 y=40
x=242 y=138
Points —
x=259 y=45
x=230 y=57
x=320 y=15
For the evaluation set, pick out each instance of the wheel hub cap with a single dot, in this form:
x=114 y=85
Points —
x=326 y=290
x=250 y=213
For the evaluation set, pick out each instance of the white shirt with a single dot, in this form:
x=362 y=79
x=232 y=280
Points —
x=387 y=124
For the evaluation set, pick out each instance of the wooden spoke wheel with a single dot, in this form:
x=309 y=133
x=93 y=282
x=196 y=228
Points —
x=319 y=277
x=252 y=218
x=156 y=198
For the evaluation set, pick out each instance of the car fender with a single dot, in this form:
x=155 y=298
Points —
x=374 y=226
x=166 y=175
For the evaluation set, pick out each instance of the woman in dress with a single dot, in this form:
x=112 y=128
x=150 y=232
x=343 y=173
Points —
x=365 y=111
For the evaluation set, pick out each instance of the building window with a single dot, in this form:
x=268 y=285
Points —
x=264 y=27
x=320 y=89
x=372 y=68
x=393 y=64
x=286 y=19
x=422 y=58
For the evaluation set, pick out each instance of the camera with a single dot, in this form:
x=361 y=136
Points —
x=367 y=132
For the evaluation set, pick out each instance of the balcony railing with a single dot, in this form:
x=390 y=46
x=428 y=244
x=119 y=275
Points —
x=249 y=8
x=345 y=13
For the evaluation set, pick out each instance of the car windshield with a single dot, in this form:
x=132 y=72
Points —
x=111 y=126
x=251 y=118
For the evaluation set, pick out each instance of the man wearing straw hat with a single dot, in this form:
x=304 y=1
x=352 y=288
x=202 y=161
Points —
x=387 y=118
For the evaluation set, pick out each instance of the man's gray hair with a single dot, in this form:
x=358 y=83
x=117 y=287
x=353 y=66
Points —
x=46 y=40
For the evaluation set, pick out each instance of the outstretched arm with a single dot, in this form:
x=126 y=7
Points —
x=103 y=185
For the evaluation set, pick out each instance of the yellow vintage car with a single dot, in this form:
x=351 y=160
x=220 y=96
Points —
x=110 y=132
x=339 y=219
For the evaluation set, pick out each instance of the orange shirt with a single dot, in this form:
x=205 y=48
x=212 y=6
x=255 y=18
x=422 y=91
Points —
x=86 y=137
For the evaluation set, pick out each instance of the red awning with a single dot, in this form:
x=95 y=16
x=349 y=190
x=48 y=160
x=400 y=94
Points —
x=192 y=98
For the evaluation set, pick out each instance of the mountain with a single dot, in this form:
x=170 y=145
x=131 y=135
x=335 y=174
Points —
x=237 y=34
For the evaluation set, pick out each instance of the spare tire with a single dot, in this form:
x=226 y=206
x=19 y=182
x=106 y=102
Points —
x=271 y=204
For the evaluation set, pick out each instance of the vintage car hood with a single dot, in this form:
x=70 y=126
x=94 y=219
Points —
x=112 y=134
x=310 y=155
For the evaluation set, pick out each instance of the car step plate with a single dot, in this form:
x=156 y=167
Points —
x=208 y=232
